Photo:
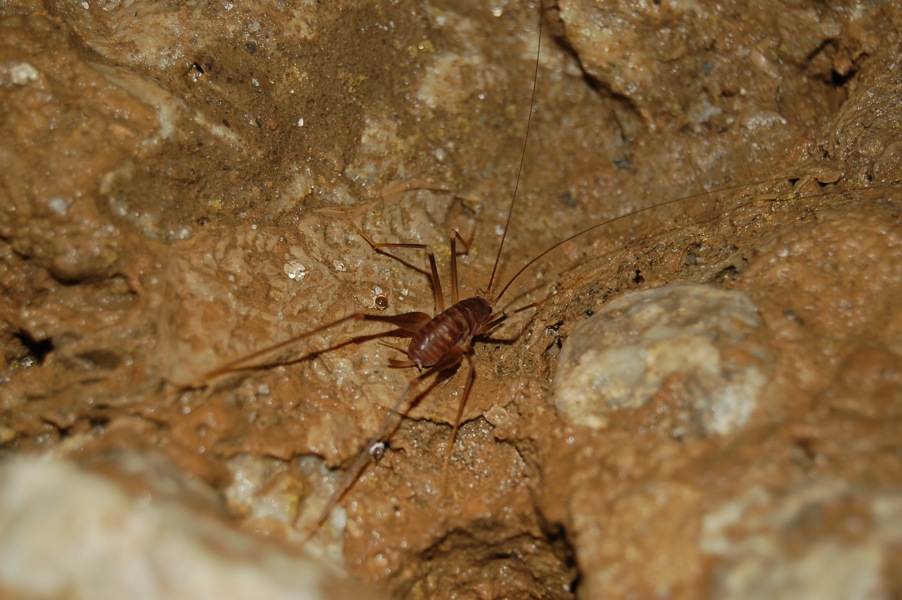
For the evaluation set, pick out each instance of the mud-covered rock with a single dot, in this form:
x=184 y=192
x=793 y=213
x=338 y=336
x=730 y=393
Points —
x=184 y=185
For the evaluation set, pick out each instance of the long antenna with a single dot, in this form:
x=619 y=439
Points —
x=591 y=228
x=510 y=212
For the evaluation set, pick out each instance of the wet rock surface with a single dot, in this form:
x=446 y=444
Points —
x=179 y=187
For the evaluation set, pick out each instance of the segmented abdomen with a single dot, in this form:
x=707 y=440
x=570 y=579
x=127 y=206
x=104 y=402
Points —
x=455 y=326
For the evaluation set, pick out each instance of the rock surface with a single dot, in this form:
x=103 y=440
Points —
x=186 y=183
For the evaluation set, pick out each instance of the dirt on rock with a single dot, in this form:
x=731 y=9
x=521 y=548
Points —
x=185 y=184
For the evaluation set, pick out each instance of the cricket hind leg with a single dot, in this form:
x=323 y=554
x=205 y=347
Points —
x=468 y=386
x=374 y=447
x=406 y=323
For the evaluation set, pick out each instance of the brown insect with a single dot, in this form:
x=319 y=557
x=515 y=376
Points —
x=437 y=344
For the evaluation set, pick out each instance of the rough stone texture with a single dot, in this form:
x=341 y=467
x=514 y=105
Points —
x=621 y=357
x=141 y=546
x=819 y=539
x=178 y=186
